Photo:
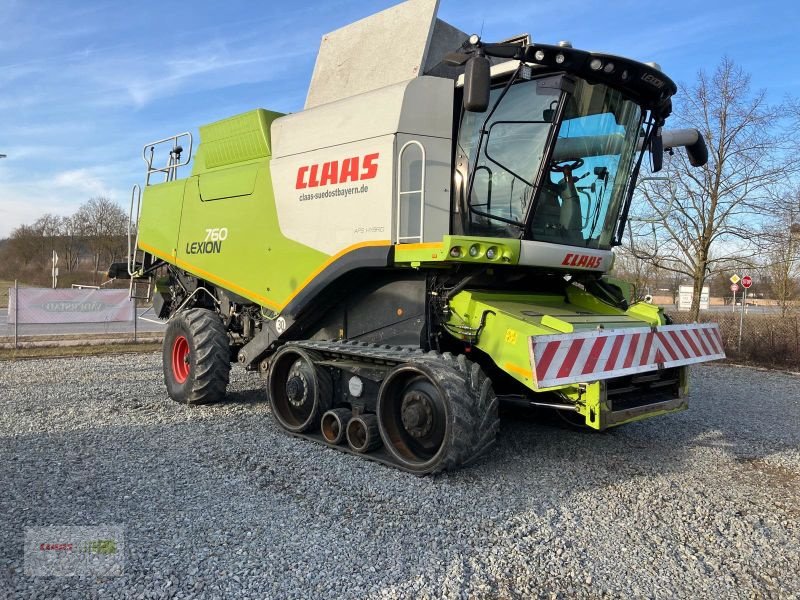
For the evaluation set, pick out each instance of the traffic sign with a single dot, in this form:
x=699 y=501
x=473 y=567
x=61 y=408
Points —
x=734 y=288
x=747 y=281
x=735 y=279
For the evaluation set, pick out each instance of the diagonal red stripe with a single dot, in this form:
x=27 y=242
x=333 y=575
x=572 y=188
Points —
x=666 y=345
x=716 y=337
x=594 y=355
x=648 y=342
x=677 y=339
x=569 y=359
x=632 y=350
x=687 y=337
x=701 y=335
x=543 y=362
x=612 y=358
x=710 y=340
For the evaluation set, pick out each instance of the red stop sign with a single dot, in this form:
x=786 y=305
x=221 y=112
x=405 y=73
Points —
x=747 y=281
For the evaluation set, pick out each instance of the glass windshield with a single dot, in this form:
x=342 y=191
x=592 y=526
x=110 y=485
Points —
x=580 y=199
x=510 y=155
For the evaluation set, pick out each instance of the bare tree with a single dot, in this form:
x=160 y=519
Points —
x=71 y=241
x=705 y=217
x=781 y=256
x=642 y=274
x=104 y=226
x=25 y=245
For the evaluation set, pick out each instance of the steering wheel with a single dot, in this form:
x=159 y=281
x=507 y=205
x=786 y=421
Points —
x=569 y=165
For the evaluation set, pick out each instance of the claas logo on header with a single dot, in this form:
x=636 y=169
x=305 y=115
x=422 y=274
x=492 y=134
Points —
x=357 y=168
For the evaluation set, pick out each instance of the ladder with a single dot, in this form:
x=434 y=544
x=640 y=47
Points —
x=139 y=261
x=140 y=286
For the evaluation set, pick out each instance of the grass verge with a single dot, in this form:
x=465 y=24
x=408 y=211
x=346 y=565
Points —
x=75 y=351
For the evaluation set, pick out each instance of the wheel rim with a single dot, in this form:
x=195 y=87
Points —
x=293 y=391
x=180 y=359
x=412 y=417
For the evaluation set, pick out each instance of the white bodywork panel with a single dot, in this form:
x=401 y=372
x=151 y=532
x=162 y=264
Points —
x=421 y=105
x=564 y=257
x=330 y=217
x=325 y=201
x=382 y=49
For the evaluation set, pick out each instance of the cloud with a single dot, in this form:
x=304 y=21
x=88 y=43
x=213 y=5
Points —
x=80 y=180
x=22 y=202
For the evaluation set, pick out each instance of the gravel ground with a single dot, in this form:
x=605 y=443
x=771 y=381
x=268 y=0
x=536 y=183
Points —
x=217 y=502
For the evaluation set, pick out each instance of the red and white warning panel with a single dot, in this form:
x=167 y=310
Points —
x=588 y=356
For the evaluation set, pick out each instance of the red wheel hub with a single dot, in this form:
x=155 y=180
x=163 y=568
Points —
x=180 y=359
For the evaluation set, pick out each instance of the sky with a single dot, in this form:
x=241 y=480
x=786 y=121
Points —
x=85 y=85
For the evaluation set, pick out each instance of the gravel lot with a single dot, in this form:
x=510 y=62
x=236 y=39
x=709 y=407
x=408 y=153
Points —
x=216 y=501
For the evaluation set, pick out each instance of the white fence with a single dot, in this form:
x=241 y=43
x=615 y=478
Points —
x=44 y=305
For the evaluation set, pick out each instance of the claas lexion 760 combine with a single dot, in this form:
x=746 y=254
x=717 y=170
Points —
x=428 y=237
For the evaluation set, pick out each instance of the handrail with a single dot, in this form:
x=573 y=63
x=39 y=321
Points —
x=136 y=197
x=401 y=193
x=173 y=162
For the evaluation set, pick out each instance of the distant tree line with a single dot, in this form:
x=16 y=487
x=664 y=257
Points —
x=86 y=243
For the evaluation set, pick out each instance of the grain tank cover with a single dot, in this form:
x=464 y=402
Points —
x=394 y=45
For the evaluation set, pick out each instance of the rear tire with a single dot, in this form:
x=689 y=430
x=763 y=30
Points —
x=196 y=357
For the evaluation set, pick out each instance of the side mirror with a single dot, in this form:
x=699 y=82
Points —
x=657 y=151
x=692 y=140
x=477 y=83
x=698 y=152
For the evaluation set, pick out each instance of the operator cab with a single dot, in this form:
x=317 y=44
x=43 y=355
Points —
x=552 y=157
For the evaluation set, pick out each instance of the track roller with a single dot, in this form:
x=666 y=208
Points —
x=299 y=391
x=334 y=425
x=362 y=433
x=433 y=412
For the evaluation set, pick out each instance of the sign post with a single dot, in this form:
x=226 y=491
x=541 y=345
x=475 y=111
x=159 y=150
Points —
x=734 y=288
x=55 y=269
x=16 y=314
x=747 y=281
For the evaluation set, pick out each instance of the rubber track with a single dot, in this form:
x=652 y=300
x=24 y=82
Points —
x=474 y=418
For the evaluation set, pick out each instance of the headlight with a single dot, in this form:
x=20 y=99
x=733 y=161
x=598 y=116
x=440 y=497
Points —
x=455 y=251
x=474 y=250
x=491 y=253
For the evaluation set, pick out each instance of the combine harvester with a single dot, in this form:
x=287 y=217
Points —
x=430 y=236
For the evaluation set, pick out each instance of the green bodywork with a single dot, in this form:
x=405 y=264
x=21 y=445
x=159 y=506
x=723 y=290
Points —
x=221 y=222
x=502 y=323
x=455 y=249
x=229 y=194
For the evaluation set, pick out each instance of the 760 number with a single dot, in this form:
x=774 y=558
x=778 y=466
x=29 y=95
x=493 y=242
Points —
x=217 y=234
